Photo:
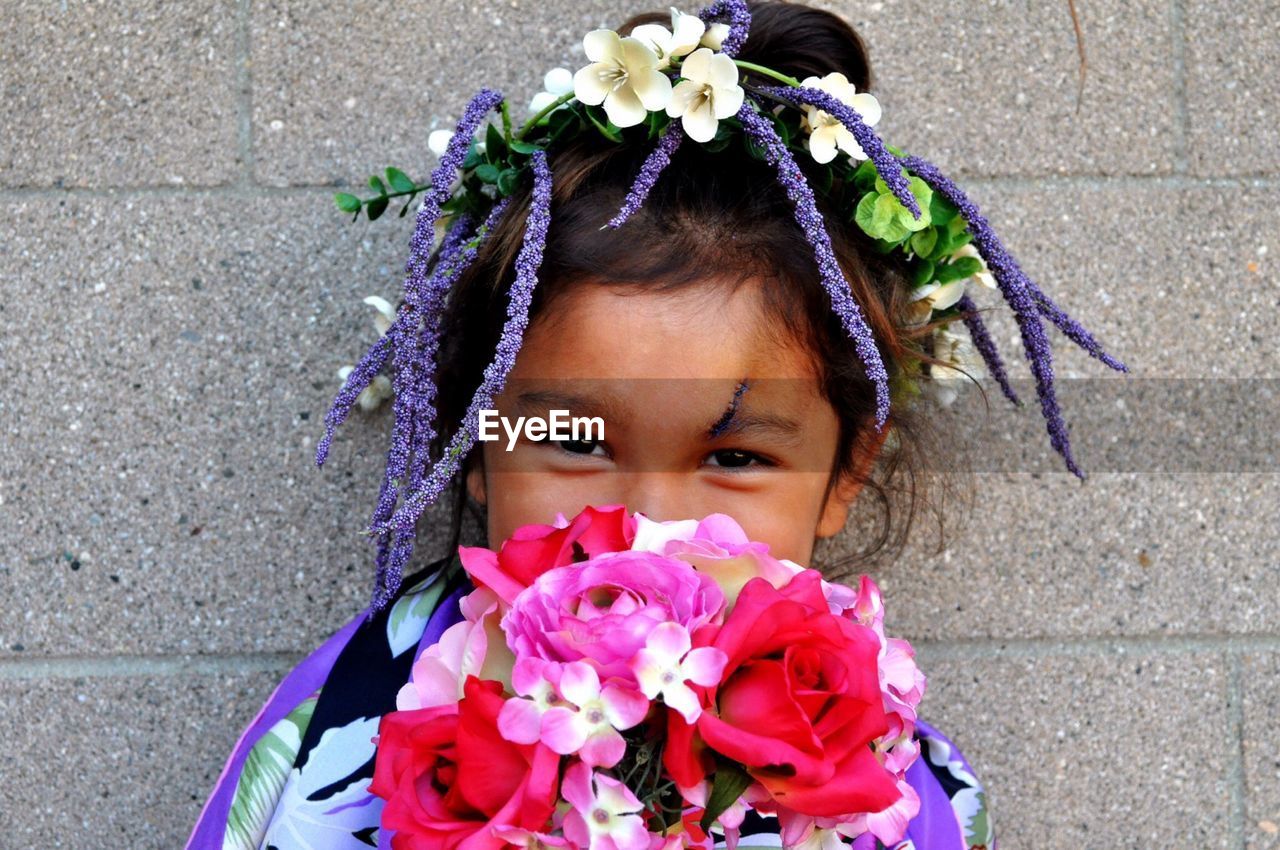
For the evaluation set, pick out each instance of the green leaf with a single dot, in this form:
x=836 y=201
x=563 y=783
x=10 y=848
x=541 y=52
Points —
x=520 y=146
x=399 y=180
x=603 y=126
x=561 y=118
x=727 y=785
x=405 y=209
x=960 y=269
x=347 y=203
x=375 y=183
x=923 y=242
x=864 y=179
x=825 y=177
x=724 y=137
x=473 y=157
x=881 y=186
x=941 y=211
x=884 y=213
x=508 y=180
x=865 y=213
x=922 y=273
x=754 y=149
x=377 y=207
x=495 y=147
x=488 y=173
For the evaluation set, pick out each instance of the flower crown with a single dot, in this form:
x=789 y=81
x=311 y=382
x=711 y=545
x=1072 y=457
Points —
x=673 y=84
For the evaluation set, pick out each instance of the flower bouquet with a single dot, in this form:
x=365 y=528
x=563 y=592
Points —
x=619 y=683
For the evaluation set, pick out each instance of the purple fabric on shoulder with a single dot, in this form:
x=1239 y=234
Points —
x=301 y=682
x=937 y=825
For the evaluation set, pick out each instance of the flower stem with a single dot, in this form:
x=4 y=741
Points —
x=506 y=122
x=547 y=110
x=767 y=72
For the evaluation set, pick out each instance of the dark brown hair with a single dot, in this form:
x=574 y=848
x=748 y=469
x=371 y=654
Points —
x=723 y=211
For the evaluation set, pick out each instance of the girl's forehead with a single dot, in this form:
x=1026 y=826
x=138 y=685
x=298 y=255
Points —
x=700 y=331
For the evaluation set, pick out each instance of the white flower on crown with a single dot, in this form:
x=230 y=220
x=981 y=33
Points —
x=932 y=296
x=983 y=277
x=623 y=75
x=686 y=33
x=379 y=388
x=557 y=82
x=708 y=92
x=714 y=36
x=826 y=133
x=438 y=141
x=386 y=313
x=370 y=397
x=961 y=360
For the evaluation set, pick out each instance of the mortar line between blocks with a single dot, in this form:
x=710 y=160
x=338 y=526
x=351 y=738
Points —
x=61 y=667
x=242 y=189
x=1235 y=776
x=1182 y=119
x=244 y=91
x=121 y=666
x=983 y=648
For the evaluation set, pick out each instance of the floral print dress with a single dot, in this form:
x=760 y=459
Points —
x=298 y=777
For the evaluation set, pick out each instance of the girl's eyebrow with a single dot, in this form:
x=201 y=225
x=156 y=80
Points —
x=784 y=429
x=537 y=401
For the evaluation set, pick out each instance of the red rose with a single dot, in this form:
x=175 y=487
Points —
x=448 y=776
x=534 y=549
x=798 y=705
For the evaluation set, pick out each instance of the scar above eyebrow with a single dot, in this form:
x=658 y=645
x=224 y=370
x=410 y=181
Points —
x=722 y=423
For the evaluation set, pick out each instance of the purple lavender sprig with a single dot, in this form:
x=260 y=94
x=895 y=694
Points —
x=739 y=23
x=396 y=548
x=485 y=101
x=361 y=376
x=528 y=262
x=408 y=345
x=762 y=132
x=887 y=165
x=660 y=157
x=1072 y=329
x=654 y=163
x=986 y=346
x=1014 y=285
x=414 y=357
x=420 y=243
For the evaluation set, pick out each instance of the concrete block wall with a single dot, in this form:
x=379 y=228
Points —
x=177 y=293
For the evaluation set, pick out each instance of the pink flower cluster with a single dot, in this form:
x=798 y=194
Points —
x=610 y=670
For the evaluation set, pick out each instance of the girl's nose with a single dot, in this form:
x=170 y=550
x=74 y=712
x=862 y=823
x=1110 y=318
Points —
x=658 y=495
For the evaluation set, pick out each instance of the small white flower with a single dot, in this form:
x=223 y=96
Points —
x=386 y=313
x=623 y=75
x=685 y=34
x=373 y=395
x=556 y=83
x=826 y=133
x=708 y=93
x=933 y=296
x=714 y=36
x=983 y=277
x=963 y=362
x=438 y=141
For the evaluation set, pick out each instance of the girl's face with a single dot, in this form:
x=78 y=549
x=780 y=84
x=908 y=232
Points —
x=660 y=369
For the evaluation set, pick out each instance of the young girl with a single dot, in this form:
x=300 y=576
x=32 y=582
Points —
x=701 y=331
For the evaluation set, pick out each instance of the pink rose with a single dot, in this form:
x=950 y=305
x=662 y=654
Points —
x=716 y=546
x=474 y=646
x=603 y=609
x=533 y=549
x=798 y=707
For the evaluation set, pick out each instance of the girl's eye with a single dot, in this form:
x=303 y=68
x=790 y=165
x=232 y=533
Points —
x=579 y=447
x=737 y=459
